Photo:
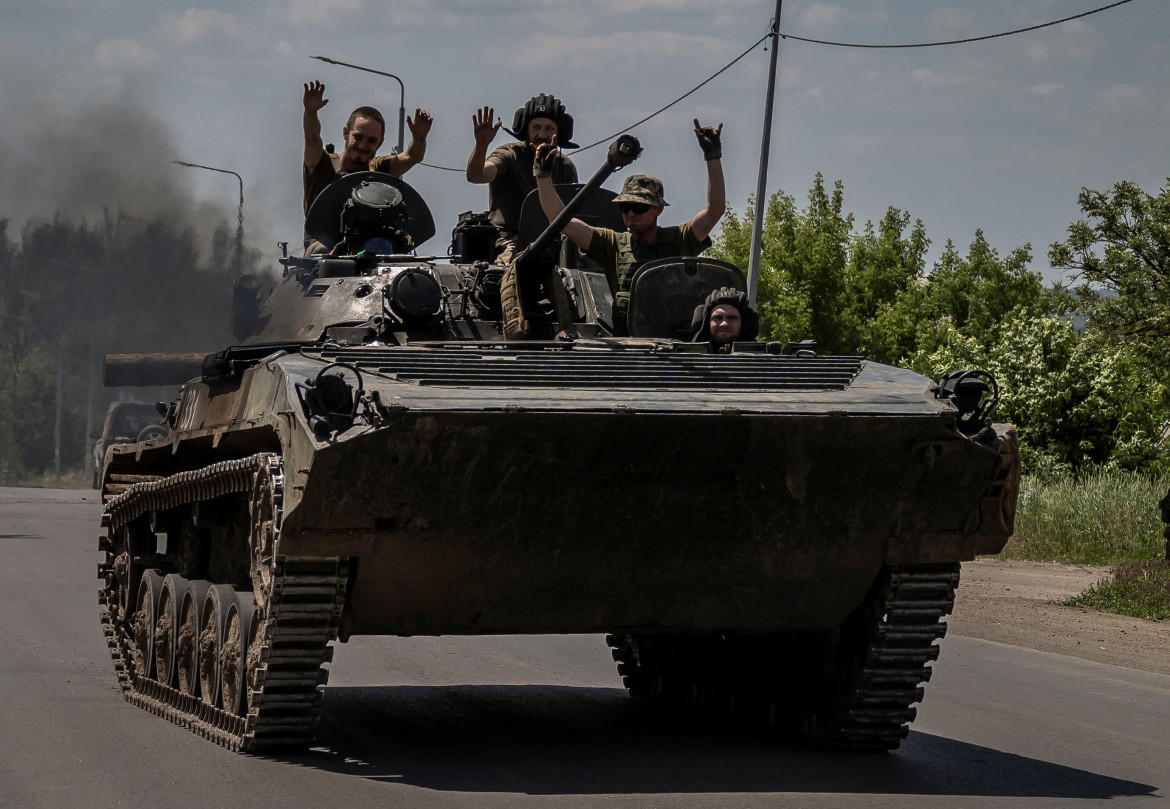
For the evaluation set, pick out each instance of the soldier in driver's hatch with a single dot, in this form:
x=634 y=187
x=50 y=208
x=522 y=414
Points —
x=508 y=169
x=641 y=202
x=724 y=318
x=363 y=133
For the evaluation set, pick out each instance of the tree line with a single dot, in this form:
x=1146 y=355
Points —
x=75 y=291
x=1080 y=364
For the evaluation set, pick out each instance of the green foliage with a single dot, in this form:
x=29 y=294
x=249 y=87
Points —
x=1080 y=399
x=1102 y=518
x=1139 y=590
x=1123 y=247
x=803 y=258
x=1077 y=405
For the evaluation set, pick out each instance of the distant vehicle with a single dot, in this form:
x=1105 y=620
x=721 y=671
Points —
x=126 y=422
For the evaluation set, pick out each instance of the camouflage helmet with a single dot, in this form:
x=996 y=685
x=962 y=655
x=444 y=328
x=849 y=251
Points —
x=701 y=319
x=544 y=105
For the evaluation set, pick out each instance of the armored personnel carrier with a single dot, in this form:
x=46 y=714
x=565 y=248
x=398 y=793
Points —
x=766 y=533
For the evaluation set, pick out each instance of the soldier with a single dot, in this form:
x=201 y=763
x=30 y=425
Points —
x=508 y=169
x=641 y=203
x=724 y=318
x=364 y=133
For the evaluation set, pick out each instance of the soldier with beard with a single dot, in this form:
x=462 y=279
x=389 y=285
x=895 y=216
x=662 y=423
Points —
x=508 y=169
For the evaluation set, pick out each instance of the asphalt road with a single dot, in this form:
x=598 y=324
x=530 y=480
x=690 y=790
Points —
x=518 y=722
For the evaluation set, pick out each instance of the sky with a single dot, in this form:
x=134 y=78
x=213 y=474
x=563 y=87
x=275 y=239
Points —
x=99 y=96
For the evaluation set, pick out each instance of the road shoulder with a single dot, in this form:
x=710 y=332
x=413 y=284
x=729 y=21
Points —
x=1013 y=602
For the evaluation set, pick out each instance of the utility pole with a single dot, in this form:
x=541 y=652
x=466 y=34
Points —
x=762 y=179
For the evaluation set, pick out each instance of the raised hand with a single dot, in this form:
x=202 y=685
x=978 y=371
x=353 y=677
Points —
x=483 y=127
x=420 y=124
x=542 y=163
x=709 y=140
x=315 y=96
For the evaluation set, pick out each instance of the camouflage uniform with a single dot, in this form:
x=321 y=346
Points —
x=620 y=255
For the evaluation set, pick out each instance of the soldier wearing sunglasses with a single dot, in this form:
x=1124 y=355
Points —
x=641 y=202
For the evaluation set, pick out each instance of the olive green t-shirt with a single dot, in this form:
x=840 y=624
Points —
x=679 y=240
x=514 y=181
x=326 y=171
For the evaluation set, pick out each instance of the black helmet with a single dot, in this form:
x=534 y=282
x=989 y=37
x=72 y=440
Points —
x=544 y=105
x=701 y=320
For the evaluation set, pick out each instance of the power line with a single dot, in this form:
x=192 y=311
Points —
x=680 y=98
x=821 y=42
x=958 y=41
x=690 y=92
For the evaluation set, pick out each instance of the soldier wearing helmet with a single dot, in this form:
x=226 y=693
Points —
x=641 y=202
x=364 y=133
x=508 y=169
x=724 y=318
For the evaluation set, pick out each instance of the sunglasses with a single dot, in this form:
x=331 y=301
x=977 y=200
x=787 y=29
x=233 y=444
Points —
x=633 y=207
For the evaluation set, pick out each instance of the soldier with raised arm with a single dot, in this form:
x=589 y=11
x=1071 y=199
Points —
x=508 y=169
x=641 y=201
x=363 y=135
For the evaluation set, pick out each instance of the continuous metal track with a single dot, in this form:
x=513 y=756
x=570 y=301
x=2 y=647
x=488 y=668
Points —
x=881 y=660
x=298 y=616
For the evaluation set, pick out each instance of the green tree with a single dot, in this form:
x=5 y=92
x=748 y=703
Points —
x=1123 y=248
x=801 y=291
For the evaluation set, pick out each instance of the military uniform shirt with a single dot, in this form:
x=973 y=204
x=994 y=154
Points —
x=326 y=171
x=679 y=240
x=514 y=181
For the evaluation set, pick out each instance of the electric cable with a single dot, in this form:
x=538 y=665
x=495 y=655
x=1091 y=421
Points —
x=958 y=41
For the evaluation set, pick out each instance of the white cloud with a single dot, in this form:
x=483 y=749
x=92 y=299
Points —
x=930 y=80
x=313 y=12
x=638 y=6
x=622 y=47
x=856 y=145
x=954 y=23
x=119 y=54
x=193 y=25
x=1046 y=89
x=820 y=16
x=1121 y=97
x=870 y=75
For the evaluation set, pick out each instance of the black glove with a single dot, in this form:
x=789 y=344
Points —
x=709 y=140
x=542 y=164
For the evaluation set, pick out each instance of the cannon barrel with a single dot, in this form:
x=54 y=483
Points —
x=622 y=152
x=147 y=370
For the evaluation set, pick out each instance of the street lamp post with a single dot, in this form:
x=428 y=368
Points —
x=240 y=215
x=401 y=94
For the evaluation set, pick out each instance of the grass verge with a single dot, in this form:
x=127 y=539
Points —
x=1139 y=590
x=1107 y=518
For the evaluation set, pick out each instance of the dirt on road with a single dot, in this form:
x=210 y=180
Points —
x=1014 y=602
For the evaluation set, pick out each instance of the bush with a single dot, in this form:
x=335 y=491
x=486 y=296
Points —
x=1139 y=590
x=1103 y=518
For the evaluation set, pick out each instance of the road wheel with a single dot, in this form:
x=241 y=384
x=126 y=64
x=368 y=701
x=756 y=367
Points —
x=187 y=638
x=145 y=616
x=234 y=657
x=212 y=629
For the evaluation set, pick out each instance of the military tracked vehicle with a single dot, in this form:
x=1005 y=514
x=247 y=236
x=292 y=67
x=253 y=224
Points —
x=767 y=533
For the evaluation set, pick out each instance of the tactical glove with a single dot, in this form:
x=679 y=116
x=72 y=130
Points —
x=709 y=141
x=542 y=165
